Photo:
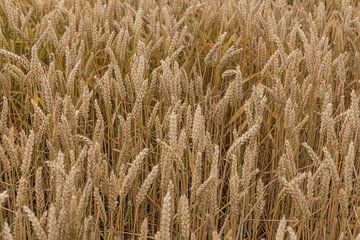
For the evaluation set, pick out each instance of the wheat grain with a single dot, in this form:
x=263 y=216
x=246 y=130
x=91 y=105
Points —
x=6 y=232
x=146 y=185
x=166 y=216
x=132 y=172
x=179 y=119
x=280 y=233
x=39 y=231
x=144 y=229
x=184 y=216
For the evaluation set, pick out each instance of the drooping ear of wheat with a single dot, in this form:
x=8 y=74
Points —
x=146 y=185
x=39 y=231
x=132 y=172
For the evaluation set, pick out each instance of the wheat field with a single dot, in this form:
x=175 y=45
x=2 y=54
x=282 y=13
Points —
x=183 y=119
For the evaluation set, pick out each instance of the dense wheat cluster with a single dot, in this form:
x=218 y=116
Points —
x=185 y=119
